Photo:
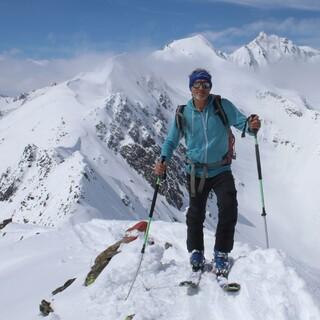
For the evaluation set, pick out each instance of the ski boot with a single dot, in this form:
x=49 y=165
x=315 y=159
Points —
x=197 y=260
x=221 y=264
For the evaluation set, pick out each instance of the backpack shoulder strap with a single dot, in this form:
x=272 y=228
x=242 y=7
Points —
x=180 y=117
x=220 y=111
x=231 y=154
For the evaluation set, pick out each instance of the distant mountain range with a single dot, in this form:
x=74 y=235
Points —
x=262 y=51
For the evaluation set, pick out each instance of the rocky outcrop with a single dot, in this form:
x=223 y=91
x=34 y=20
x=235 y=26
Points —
x=138 y=140
x=11 y=179
x=31 y=190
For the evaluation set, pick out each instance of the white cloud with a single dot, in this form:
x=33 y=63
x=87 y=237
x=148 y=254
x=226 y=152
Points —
x=301 y=31
x=303 y=78
x=23 y=74
x=294 y=4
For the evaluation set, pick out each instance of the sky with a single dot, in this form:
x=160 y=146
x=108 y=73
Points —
x=67 y=35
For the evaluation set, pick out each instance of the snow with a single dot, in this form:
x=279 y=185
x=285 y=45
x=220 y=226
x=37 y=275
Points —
x=189 y=48
x=272 y=287
x=79 y=195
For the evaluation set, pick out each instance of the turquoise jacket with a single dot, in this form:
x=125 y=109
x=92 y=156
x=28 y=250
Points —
x=206 y=137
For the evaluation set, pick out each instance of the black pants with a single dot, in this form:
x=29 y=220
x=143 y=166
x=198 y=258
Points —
x=224 y=188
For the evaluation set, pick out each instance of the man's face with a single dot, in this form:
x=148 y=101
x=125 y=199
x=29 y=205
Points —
x=201 y=90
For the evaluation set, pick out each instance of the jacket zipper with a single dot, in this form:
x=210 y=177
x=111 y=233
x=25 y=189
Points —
x=205 y=136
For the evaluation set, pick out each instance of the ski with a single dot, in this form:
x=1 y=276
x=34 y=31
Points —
x=227 y=286
x=223 y=282
x=193 y=281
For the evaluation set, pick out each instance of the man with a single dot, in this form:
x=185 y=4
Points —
x=208 y=166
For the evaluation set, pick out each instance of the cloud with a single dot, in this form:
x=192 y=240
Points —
x=294 y=4
x=301 y=31
x=299 y=77
x=19 y=74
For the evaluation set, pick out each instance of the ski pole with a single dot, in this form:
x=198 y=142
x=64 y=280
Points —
x=264 y=213
x=146 y=234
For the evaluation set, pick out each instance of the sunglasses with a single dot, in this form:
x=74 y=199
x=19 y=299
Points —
x=203 y=85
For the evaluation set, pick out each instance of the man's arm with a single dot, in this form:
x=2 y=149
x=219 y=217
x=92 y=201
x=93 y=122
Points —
x=238 y=119
x=169 y=145
x=171 y=142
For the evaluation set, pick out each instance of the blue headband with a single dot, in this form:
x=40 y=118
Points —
x=199 y=74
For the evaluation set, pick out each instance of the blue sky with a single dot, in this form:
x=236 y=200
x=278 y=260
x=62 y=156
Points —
x=43 y=29
x=44 y=41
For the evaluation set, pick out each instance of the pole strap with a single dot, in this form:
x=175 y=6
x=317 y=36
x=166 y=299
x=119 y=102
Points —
x=245 y=126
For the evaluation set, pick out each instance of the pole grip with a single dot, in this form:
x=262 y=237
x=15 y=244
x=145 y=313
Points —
x=154 y=197
x=156 y=189
x=164 y=176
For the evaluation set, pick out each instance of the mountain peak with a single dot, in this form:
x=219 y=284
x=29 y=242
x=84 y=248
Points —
x=196 y=45
x=266 y=49
x=272 y=39
x=193 y=41
x=262 y=35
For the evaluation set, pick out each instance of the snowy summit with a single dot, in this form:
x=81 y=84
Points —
x=268 y=49
x=190 y=48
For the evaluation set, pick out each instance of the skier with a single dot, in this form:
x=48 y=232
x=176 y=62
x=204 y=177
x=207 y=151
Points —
x=208 y=166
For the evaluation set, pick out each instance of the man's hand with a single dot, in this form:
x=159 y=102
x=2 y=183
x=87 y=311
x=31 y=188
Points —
x=254 y=123
x=160 y=168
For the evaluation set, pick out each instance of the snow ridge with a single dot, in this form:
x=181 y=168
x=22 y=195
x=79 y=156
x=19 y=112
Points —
x=272 y=287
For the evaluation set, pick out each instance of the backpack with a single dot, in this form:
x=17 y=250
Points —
x=231 y=154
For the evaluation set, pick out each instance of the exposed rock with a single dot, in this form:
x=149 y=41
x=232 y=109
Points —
x=101 y=262
x=101 y=129
x=116 y=136
x=293 y=112
x=63 y=287
x=8 y=192
x=167 y=245
x=45 y=308
x=5 y=222
x=134 y=133
x=22 y=96
x=104 y=257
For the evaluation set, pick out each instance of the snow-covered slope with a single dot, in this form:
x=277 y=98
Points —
x=268 y=49
x=273 y=286
x=86 y=133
